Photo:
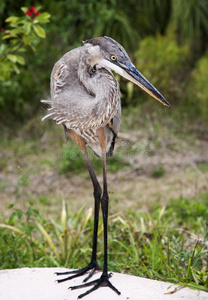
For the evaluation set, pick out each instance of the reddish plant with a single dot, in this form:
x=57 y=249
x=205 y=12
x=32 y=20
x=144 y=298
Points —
x=32 y=12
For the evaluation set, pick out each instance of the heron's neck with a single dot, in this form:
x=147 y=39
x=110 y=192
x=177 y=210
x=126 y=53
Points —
x=102 y=85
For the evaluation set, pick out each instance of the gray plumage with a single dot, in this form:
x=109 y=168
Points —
x=85 y=94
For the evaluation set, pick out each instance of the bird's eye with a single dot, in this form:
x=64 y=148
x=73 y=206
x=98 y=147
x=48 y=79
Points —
x=94 y=68
x=113 y=57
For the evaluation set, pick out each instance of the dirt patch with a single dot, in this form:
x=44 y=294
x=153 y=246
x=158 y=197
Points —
x=133 y=186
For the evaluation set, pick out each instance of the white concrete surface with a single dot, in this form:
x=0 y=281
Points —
x=39 y=284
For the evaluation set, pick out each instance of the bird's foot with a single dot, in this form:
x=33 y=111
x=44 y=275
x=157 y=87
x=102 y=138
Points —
x=93 y=266
x=102 y=281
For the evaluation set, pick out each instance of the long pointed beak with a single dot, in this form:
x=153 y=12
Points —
x=131 y=73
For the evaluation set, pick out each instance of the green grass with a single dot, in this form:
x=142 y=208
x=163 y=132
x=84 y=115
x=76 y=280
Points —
x=167 y=244
x=158 y=172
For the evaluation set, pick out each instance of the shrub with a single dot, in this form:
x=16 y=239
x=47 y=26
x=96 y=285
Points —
x=21 y=34
x=163 y=62
x=198 y=88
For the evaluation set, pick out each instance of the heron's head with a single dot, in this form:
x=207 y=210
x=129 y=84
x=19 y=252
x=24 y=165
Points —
x=112 y=55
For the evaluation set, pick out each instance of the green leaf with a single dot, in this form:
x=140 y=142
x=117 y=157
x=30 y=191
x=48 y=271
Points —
x=33 y=48
x=20 y=60
x=10 y=206
x=12 y=19
x=13 y=228
x=12 y=217
x=38 y=7
x=31 y=202
x=19 y=214
x=21 y=50
x=12 y=58
x=16 y=69
x=35 y=212
x=13 y=33
x=196 y=286
x=26 y=40
x=43 y=18
x=39 y=31
x=194 y=275
x=27 y=27
x=48 y=239
x=29 y=212
x=24 y=9
x=8 y=36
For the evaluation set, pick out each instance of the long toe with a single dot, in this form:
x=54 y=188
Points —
x=66 y=273
x=93 y=266
x=102 y=281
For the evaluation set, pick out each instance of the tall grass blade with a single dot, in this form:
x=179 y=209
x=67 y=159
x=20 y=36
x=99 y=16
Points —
x=49 y=240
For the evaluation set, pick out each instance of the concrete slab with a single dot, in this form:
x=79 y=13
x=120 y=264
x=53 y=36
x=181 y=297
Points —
x=39 y=284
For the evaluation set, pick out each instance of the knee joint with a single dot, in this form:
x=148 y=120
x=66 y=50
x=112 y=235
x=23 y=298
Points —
x=105 y=198
x=98 y=192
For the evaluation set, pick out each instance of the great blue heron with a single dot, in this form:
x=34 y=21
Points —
x=85 y=100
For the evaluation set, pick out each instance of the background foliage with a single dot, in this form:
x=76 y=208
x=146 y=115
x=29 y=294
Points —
x=167 y=40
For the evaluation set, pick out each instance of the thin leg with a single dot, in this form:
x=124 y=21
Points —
x=93 y=266
x=104 y=206
x=104 y=279
x=97 y=197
